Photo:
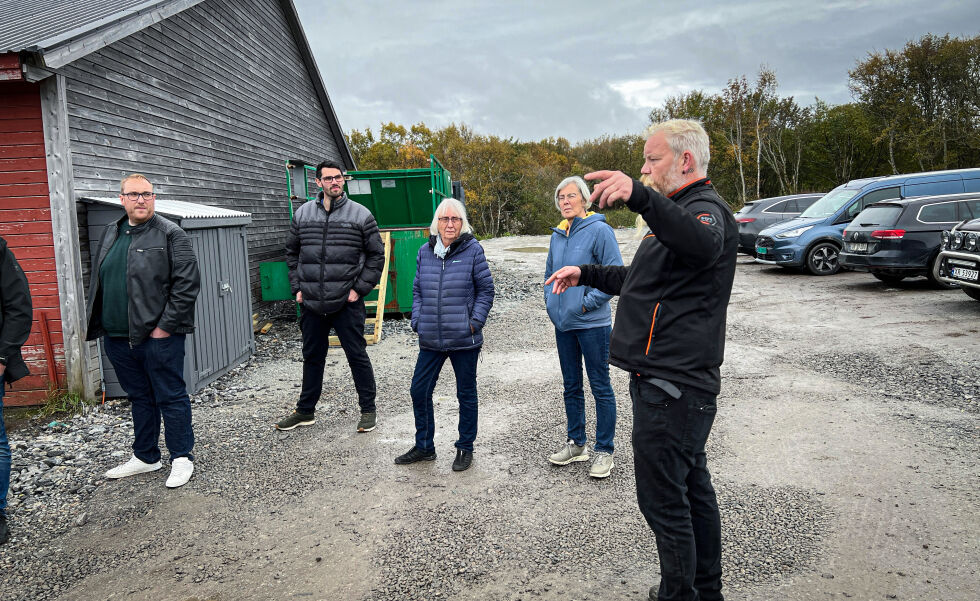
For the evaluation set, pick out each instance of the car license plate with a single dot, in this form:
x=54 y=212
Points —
x=965 y=274
x=858 y=247
x=760 y=250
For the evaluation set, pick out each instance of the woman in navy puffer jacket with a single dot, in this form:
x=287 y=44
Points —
x=453 y=293
x=582 y=325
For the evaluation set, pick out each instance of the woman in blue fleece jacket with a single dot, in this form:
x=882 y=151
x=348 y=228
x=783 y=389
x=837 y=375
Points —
x=453 y=293
x=583 y=323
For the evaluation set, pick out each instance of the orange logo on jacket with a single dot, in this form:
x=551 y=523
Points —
x=707 y=219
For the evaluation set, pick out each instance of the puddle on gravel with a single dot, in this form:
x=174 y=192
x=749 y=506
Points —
x=529 y=249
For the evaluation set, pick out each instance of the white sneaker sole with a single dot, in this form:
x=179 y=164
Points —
x=151 y=467
x=582 y=457
x=362 y=430
x=309 y=423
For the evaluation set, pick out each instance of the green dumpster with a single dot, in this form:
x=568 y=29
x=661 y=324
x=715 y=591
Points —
x=403 y=202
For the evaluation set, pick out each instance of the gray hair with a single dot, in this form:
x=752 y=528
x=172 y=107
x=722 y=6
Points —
x=444 y=206
x=685 y=135
x=583 y=188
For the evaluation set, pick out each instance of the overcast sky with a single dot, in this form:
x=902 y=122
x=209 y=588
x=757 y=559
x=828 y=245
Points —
x=580 y=69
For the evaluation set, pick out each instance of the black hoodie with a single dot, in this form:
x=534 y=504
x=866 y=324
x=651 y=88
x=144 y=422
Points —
x=670 y=322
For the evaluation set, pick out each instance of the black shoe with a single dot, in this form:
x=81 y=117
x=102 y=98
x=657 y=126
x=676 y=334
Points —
x=414 y=455
x=463 y=460
x=4 y=531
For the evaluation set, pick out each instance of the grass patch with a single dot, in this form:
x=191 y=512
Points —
x=62 y=403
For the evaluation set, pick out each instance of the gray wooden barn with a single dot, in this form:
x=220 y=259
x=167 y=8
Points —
x=207 y=98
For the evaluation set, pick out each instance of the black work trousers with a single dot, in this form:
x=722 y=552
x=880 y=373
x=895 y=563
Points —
x=348 y=322
x=673 y=488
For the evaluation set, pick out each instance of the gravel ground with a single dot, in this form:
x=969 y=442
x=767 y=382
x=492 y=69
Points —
x=844 y=454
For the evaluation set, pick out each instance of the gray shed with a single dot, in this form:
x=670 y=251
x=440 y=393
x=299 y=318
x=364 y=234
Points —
x=223 y=336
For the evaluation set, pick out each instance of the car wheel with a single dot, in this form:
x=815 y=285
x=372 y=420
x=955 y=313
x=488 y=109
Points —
x=822 y=259
x=973 y=293
x=933 y=276
x=888 y=278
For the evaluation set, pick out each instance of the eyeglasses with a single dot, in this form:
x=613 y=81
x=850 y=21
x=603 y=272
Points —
x=134 y=196
x=446 y=220
x=332 y=178
x=571 y=196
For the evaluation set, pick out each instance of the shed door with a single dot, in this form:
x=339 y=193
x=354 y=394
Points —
x=210 y=354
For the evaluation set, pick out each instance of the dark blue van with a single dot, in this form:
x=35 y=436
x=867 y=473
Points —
x=813 y=240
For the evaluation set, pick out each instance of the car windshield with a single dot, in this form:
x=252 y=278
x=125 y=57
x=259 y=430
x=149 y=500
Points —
x=885 y=215
x=830 y=204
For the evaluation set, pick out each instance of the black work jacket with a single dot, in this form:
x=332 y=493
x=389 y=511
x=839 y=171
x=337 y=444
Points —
x=330 y=253
x=16 y=315
x=670 y=322
x=162 y=279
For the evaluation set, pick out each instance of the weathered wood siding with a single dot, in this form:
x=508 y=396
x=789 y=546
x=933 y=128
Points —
x=25 y=223
x=209 y=104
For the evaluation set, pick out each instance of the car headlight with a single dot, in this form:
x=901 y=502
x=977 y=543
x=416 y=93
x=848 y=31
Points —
x=971 y=242
x=956 y=241
x=794 y=233
x=944 y=240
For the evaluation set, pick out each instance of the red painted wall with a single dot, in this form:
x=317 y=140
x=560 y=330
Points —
x=25 y=223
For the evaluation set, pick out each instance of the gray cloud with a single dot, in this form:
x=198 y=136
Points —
x=579 y=69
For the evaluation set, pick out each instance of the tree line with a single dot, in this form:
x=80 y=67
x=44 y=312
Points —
x=914 y=109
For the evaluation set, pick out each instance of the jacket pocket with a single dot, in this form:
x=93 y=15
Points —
x=655 y=319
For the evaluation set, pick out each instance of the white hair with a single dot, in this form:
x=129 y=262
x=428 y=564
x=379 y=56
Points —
x=583 y=189
x=444 y=206
x=685 y=135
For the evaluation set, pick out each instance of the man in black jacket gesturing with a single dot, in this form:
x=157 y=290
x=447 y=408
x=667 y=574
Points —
x=335 y=258
x=16 y=318
x=669 y=334
x=141 y=300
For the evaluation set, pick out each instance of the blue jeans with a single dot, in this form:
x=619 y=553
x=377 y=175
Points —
x=4 y=456
x=427 y=369
x=152 y=374
x=673 y=488
x=592 y=344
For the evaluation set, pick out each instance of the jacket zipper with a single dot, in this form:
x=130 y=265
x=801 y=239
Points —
x=442 y=275
x=323 y=243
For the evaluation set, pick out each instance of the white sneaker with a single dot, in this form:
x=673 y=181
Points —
x=180 y=472
x=132 y=467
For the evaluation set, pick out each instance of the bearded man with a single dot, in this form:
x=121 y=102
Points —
x=669 y=334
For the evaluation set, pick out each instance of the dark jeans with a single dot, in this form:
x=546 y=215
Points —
x=427 y=369
x=4 y=455
x=592 y=344
x=673 y=488
x=152 y=374
x=349 y=325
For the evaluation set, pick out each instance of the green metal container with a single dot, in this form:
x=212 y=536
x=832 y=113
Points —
x=401 y=198
x=274 y=276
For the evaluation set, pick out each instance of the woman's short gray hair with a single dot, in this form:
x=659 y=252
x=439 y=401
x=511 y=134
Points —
x=583 y=188
x=444 y=206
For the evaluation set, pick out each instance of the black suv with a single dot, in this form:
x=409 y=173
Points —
x=759 y=214
x=959 y=260
x=896 y=239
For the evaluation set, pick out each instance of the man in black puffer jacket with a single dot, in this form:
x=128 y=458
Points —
x=141 y=298
x=670 y=335
x=335 y=258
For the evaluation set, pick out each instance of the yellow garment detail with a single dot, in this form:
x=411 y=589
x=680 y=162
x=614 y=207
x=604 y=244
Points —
x=566 y=224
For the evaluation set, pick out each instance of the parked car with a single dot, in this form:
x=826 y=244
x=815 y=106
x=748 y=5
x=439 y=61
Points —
x=897 y=239
x=813 y=240
x=959 y=257
x=759 y=214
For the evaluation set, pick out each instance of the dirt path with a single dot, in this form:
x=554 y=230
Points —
x=844 y=452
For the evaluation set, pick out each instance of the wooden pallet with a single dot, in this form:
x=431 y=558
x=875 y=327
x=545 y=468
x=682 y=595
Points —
x=374 y=323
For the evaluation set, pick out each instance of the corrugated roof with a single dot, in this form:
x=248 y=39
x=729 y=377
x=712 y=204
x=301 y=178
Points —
x=25 y=24
x=180 y=209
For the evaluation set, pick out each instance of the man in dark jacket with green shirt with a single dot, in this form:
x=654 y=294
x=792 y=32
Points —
x=670 y=335
x=141 y=301
x=16 y=318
